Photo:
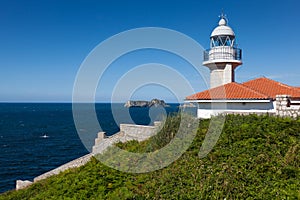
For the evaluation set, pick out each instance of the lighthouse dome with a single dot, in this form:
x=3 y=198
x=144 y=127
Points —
x=222 y=29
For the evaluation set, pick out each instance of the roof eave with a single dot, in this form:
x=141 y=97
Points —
x=229 y=100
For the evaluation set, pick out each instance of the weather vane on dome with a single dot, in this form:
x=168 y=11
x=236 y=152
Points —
x=223 y=16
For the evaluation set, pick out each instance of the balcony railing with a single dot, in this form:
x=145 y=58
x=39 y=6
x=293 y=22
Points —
x=224 y=53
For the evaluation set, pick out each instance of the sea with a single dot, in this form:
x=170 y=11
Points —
x=38 y=137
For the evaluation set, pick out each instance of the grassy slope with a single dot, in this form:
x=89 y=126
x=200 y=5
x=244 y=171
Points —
x=256 y=157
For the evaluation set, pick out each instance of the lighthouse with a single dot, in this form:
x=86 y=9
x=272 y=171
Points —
x=223 y=57
x=259 y=96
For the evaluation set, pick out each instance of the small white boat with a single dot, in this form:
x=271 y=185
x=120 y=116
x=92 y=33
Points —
x=44 y=136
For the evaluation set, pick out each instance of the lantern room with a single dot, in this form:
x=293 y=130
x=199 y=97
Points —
x=223 y=56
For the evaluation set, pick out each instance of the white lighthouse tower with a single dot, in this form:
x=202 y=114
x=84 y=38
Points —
x=223 y=57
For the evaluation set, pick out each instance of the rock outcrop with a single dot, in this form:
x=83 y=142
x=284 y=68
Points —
x=153 y=102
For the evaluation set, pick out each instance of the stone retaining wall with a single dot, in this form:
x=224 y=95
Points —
x=127 y=132
x=138 y=132
x=20 y=184
x=73 y=164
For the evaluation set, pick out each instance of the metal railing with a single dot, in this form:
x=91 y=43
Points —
x=227 y=53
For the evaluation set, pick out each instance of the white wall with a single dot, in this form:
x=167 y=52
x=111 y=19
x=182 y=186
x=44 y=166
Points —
x=206 y=110
x=238 y=105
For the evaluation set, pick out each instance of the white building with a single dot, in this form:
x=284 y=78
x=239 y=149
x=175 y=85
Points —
x=225 y=95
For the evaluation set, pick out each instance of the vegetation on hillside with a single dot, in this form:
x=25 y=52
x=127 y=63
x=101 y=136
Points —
x=256 y=157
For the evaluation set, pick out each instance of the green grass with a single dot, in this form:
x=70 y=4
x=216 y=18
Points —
x=256 y=157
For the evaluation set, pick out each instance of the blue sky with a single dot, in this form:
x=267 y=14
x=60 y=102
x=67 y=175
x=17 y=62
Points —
x=43 y=43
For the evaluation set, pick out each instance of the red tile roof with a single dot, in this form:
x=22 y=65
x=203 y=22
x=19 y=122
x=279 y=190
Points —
x=260 y=88
x=272 y=88
x=228 y=91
